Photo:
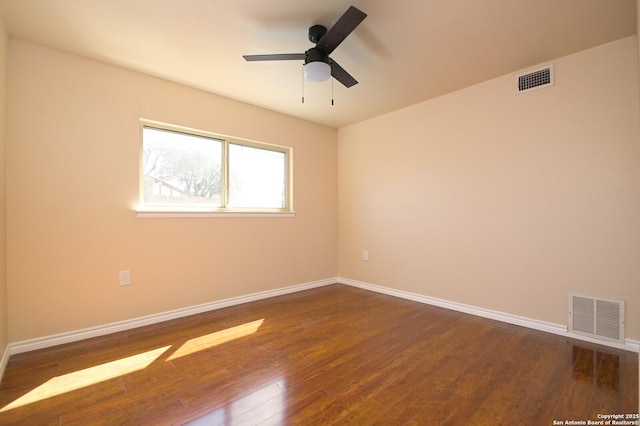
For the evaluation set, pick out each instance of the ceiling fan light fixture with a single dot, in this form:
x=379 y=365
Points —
x=317 y=71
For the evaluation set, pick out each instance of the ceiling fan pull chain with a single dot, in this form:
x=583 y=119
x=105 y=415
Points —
x=303 y=84
x=332 y=92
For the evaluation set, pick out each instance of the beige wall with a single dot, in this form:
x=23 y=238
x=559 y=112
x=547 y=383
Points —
x=482 y=197
x=72 y=153
x=502 y=201
x=3 y=238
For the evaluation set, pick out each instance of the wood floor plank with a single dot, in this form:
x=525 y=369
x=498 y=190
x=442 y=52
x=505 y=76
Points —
x=334 y=355
x=358 y=413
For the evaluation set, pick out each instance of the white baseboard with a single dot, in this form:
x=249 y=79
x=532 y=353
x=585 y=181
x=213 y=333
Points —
x=74 y=336
x=87 y=333
x=4 y=361
x=629 y=345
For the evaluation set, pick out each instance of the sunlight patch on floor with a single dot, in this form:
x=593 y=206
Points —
x=217 y=338
x=87 y=377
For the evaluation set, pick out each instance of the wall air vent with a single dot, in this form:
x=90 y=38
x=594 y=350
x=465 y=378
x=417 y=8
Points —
x=598 y=318
x=536 y=79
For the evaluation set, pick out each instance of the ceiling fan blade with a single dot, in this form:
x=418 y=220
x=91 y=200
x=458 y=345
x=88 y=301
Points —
x=275 y=57
x=341 y=29
x=341 y=75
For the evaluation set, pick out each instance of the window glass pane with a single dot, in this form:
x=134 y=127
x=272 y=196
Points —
x=256 y=177
x=181 y=169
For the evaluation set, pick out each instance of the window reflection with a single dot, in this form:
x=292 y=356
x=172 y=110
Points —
x=592 y=366
x=266 y=403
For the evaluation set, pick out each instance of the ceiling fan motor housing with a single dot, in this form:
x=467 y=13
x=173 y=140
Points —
x=316 y=33
x=316 y=55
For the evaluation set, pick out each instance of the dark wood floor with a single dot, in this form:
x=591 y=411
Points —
x=332 y=355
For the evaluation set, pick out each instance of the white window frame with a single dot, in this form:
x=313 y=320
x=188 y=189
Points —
x=162 y=211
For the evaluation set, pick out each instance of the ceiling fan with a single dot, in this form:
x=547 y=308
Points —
x=318 y=66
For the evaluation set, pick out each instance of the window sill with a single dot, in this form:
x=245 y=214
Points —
x=160 y=214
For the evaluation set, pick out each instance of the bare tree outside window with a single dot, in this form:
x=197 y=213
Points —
x=194 y=171
x=181 y=169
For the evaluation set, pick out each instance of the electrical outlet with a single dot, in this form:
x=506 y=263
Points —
x=125 y=277
x=365 y=255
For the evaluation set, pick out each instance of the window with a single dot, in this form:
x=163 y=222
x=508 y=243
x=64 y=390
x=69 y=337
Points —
x=185 y=170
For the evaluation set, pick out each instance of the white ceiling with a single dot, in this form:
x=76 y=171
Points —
x=404 y=52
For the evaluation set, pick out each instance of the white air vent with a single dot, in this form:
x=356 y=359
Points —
x=597 y=318
x=535 y=79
